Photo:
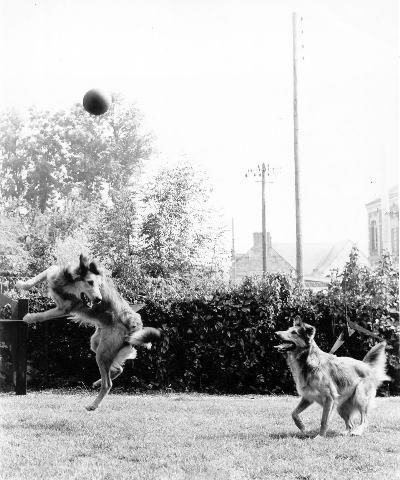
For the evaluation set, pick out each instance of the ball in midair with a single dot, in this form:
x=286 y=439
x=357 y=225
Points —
x=96 y=101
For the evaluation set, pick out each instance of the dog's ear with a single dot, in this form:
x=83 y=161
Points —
x=310 y=331
x=297 y=321
x=68 y=275
x=137 y=306
x=83 y=265
x=94 y=268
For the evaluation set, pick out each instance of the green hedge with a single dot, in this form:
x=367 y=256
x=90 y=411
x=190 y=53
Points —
x=222 y=341
x=220 y=344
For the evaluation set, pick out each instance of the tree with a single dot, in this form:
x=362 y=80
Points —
x=181 y=231
x=105 y=151
x=47 y=155
x=163 y=228
x=115 y=239
x=13 y=256
x=12 y=181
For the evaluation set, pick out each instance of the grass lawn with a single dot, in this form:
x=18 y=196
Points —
x=49 y=435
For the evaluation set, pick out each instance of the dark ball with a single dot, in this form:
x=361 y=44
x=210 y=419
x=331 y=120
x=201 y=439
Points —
x=96 y=102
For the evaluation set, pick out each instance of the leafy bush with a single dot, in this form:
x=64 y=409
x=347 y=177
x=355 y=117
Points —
x=221 y=339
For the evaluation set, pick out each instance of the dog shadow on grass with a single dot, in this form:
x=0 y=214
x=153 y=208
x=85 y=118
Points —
x=301 y=436
x=232 y=436
x=262 y=436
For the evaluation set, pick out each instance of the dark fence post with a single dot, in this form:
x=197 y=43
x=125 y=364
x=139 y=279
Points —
x=14 y=333
x=20 y=346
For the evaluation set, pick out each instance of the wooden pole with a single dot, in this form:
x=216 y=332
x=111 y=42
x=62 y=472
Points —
x=264 y=228
x=20 y=348
x=299 y=243
x=233 y=252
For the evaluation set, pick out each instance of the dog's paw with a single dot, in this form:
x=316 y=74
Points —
x=91 y=408
x=356 y=432
x=147 y=345
x=20 y=285
x=29 y=318
x=132 y=355
x=129 y=339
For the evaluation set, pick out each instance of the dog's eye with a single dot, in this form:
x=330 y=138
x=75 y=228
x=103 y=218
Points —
x=90 y=282
x=294 y=332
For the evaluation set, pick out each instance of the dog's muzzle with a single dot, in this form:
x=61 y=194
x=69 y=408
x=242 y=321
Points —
x=89 y=303
x=286 y=346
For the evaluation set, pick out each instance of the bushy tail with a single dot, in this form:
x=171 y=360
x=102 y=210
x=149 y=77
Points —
x=144 y=337
x=376 y=358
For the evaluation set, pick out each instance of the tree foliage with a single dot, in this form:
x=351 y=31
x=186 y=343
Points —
x=47 y=155
x=115 y=238
x=165 y=228
x=182 y=233
x=221 y=339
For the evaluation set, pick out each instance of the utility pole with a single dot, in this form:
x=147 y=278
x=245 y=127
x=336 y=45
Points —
x=233 y=252
x=263 y=172
x=299 y=240
x=264 y=222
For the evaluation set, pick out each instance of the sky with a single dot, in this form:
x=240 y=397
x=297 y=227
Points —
x=214 y=82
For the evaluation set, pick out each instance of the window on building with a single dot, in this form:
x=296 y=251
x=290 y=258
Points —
x=373 y=238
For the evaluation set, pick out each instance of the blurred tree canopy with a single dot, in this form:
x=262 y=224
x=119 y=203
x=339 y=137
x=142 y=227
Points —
x=165 y=228
x=180 y=229
x=45 y=156
x=72 y=181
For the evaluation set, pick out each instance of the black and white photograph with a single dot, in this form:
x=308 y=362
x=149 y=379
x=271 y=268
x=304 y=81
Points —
x=199 y=240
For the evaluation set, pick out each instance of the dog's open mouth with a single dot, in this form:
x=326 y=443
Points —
x=285 y=347
x=86 y=300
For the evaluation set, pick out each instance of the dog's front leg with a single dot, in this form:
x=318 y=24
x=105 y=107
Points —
x=304 y=403
x=326 y=413
x=43 y=316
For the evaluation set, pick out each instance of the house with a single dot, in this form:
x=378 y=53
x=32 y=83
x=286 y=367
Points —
x=383 y=226
x=319 y=260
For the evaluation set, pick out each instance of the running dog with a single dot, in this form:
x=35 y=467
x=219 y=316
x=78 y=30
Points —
x=84 y=294
x=342 y=382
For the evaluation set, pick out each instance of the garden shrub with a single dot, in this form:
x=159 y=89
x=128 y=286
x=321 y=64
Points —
x=222 y=340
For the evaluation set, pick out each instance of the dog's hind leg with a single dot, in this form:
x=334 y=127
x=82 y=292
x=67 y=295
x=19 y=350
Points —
x=115 y=372
x=95 y=340
x=346 y=410
x=117 y=365
x=106 y=383
x=304 y=403
x=105 y=354
x=363 y=398
x=359 y=430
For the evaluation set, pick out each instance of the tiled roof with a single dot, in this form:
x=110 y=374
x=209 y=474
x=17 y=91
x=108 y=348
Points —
x=312 y=254
x=318 y=258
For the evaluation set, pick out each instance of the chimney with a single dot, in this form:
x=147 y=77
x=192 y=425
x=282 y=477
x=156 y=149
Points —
x=269 y=241
x=257 y=241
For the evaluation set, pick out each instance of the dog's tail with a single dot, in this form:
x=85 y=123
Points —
x=144 y=337
x=376 y=359
x=35 y=280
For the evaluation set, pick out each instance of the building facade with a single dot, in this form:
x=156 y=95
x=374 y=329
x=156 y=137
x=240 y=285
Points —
x=383 y=226
x=319 y=260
